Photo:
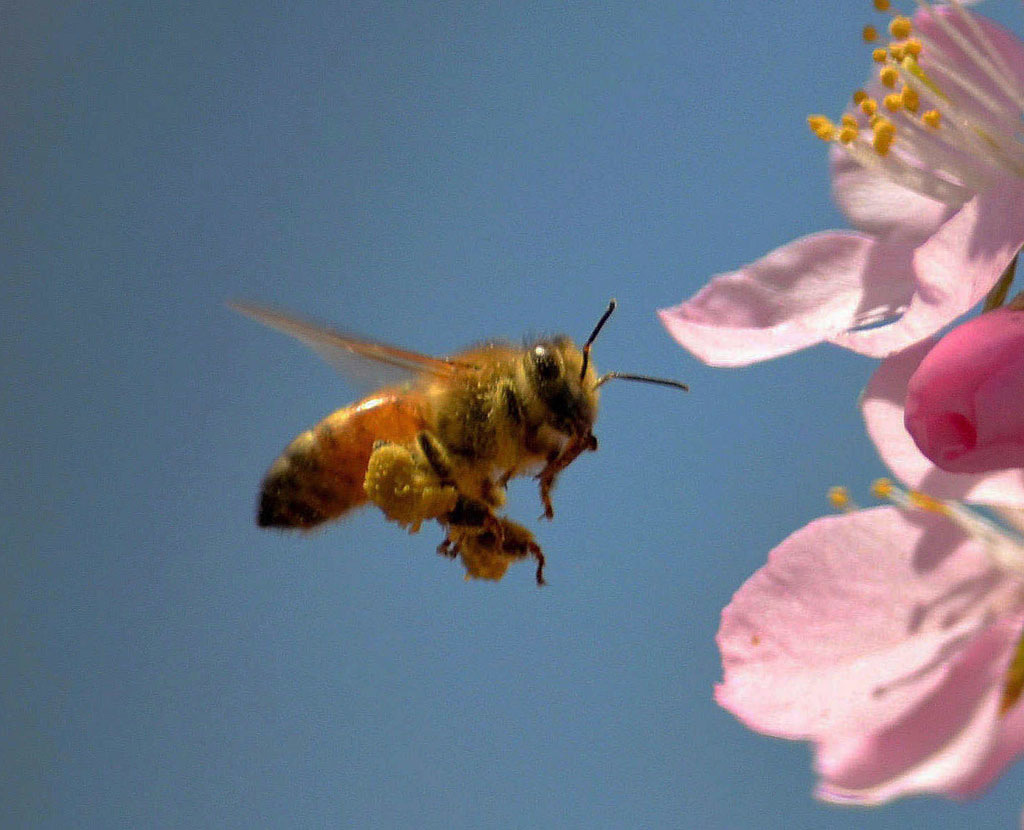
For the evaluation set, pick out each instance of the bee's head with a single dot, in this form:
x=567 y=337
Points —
x=564 y=378
x=566 y=386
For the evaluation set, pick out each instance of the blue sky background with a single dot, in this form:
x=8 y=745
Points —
x=432 y=174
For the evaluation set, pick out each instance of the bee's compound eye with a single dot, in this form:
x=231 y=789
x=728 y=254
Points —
x=545 y=363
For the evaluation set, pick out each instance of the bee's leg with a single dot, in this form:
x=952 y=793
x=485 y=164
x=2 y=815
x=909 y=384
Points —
x=518 y=542
x=401 y=483
x=547 y=477
x=538 y=554
x=449 y=547
x=486 y=556
x=555 y=465
x=468 y=512
x=440 y=461
x=493 y=492
x=436 y=456
x=473 y=516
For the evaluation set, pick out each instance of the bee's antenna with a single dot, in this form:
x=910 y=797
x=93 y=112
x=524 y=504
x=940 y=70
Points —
x=675 y=384
x=593 y=337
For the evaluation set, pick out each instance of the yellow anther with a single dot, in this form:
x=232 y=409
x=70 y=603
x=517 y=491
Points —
x=888 y=75
x=822 y=127
x=893 y=102
x=932 y=118
x=879 y=55
x=869 y=106
x=881 y=488
x=883 y=126
x=897 y=51
x=882 y=5
x=849 y=121
x=913 y=47
x=882 y=142
x=859 y=95
x=870 y=34
x=910 y=99
x=839 y=497
x=925 y=502
x=900 y=27
x=848 y=134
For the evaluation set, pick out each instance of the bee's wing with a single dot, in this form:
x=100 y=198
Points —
x=355 y=357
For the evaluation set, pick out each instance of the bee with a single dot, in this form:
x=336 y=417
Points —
x=443 y=444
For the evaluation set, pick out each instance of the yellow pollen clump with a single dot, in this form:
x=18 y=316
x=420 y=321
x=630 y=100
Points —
x=839 y=497
x=884 y=125
x=900 y=27
x=910 y=99
x=932 y=118
x=900 y=52
x=888 y=75
x=885 y=134
x=822 y=127
x=881 y=488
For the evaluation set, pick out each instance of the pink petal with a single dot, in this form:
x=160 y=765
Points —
x=796 y=296
x=850 y=625
x=869 y=634
x=876 y=205
x=882 y=407
x=963 y=405
x=1008 y=46
x=1008 y=745
x=950 y=743
x=953 y=270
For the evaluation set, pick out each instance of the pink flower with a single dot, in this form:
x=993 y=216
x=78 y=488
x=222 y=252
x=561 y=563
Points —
x=891 y=638
x=965 y=402
x=935 y=191
x=887 y=638
x=883 y=405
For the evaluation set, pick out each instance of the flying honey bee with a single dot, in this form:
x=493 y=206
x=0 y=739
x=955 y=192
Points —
x=444 y=444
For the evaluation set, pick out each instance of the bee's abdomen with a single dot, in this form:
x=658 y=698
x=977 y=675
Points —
x=320 y=474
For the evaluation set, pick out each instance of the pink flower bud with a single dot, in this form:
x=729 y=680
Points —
x=965 y=402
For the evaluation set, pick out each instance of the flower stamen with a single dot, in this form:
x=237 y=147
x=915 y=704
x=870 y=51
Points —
x=946 y=133
x=1004 y=547
x=839 y=498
